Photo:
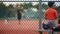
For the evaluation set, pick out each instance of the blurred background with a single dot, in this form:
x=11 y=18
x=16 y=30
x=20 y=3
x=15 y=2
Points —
x=29 y=9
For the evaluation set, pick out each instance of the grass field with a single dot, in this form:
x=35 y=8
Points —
x=25 y=27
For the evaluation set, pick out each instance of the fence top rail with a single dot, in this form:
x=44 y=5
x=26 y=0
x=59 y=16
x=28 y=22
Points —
x=25 y=1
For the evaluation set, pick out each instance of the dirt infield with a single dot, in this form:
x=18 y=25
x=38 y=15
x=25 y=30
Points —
x=25 y=27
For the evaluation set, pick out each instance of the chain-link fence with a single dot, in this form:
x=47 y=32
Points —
x=23 y=16
x=14 y=21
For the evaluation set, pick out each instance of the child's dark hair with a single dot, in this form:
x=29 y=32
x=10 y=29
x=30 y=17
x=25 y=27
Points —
x=50 y=3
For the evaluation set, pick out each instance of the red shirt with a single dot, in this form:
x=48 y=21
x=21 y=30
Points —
x=50 y=13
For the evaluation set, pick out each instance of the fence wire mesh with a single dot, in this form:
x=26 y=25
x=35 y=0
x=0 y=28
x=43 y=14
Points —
x=12 y=22
x=26 y=22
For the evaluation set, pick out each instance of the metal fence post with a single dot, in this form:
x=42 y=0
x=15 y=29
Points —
x=40 y=15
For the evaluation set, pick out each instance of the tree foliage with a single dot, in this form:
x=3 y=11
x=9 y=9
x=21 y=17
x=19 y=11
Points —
x=3 y=10
x=10 y=11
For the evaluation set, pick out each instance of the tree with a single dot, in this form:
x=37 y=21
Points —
x=45 y=6
x=58 y=9
x=3 y=10
x=36 y=6
x=27 y=5
x=10 y=6
x=30 y=5
x=11 y=11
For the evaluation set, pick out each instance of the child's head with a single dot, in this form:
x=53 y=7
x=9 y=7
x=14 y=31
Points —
x=18 y=6
x=50 y=3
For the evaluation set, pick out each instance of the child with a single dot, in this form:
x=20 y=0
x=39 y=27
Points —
x=19 y=13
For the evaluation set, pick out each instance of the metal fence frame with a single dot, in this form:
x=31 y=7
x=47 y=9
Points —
x=26 y=1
